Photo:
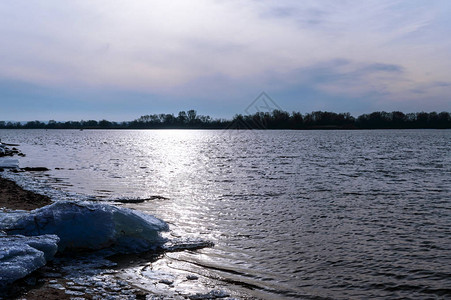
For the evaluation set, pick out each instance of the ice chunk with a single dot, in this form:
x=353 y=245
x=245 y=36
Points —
x=213 y=294
x=7 y=162
x=21 y=255
x=88 y=226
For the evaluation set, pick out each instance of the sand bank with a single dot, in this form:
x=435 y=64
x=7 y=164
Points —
x=14 y=197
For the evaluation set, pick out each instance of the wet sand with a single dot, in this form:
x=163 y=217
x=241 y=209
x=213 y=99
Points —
x=14 y=197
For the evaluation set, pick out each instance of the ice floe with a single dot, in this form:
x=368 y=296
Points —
x=8 y=162
x=21 y=255
x=29 y=239
x=83 y=225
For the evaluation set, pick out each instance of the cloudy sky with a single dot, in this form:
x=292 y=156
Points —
x=114 y=59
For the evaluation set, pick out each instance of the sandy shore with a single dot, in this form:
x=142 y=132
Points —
x=14 y=197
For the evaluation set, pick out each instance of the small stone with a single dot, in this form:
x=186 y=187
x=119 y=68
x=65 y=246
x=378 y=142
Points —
x=35 y=169
x=140 y=295
x=166 y=281
x=192 y=277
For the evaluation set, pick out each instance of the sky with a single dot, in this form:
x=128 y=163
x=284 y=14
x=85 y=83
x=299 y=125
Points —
x=118 y=60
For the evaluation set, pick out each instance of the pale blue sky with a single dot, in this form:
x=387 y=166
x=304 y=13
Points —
x=87 y=59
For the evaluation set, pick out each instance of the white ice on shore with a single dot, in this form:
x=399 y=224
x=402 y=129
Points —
x=29 y=239
x=21 y=255
x=8 y=162
x=83 y=225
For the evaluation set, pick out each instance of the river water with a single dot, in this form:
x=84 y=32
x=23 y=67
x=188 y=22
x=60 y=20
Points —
x=293 y=214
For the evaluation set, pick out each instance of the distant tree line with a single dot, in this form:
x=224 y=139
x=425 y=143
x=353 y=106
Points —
x=276 y=119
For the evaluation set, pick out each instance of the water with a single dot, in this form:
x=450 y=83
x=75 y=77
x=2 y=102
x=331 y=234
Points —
x=293 y=214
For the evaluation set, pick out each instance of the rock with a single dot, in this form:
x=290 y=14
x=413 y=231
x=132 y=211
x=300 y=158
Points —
x=166 y=281
x=35 y=169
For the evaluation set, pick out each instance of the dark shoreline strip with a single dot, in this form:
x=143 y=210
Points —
x=14 y=197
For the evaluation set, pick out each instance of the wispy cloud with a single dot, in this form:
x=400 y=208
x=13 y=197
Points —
x=205 y=50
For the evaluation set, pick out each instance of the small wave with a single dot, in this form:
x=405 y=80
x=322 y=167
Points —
x=139 y=200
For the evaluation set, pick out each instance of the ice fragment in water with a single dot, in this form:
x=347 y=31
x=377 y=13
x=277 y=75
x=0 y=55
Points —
x=21 y=255
x=7 y=162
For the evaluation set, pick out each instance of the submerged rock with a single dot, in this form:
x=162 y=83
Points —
x=139 y=200
x=88 y=226
x=6 y=151
x=35 y=169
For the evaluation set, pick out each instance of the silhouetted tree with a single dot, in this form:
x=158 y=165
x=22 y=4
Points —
x=192 y=115
x=276 y=119
x=182 y=118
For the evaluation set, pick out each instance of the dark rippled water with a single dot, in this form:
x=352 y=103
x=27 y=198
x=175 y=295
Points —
x=294 y=214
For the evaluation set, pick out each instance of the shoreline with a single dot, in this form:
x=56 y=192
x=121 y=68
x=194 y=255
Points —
x=111 y=277
x=35 y=286
x=49 y=281
x=14 y=197
x=96 y=274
